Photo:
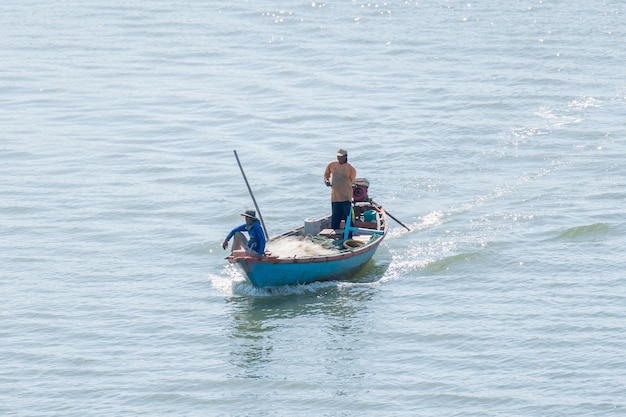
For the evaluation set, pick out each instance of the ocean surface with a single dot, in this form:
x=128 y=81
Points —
x=495 y=130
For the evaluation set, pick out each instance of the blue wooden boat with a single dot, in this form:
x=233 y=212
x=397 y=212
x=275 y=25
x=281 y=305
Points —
x=344 y=251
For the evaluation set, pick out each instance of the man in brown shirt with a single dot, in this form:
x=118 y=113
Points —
x=343 y=175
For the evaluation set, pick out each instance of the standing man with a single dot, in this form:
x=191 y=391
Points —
x=343 y=175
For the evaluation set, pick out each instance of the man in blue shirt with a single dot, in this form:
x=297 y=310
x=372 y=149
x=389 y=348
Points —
x=256 y=244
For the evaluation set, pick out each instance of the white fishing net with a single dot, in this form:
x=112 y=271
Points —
x=291 y=246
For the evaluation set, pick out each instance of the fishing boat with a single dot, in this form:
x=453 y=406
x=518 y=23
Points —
x=328 y=254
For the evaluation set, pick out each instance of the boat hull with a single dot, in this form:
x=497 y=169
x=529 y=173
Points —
x=275 y=270
x=263 y=273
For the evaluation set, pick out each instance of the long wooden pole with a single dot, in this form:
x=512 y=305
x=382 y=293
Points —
x=397 y=221
x=390 y=215
x=256 y=206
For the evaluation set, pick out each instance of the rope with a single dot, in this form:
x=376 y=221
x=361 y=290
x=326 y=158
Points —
x=327 y=243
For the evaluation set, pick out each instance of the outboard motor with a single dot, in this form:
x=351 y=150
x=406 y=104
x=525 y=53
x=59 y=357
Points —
x=359 y=190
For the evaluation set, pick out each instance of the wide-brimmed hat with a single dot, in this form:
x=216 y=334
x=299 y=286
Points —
x=342 y=152
x=250 y=213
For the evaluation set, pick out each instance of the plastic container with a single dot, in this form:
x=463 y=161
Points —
x=312 y=226
x=369 y=216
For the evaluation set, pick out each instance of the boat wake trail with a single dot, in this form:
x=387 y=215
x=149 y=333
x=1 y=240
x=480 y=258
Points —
x=536 y=160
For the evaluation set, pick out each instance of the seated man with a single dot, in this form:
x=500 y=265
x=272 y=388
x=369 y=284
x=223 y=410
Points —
x=255 y=246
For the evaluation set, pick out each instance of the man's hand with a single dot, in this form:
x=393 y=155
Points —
x=225 y=244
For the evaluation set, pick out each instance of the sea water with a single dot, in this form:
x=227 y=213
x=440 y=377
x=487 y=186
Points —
x=494 y=130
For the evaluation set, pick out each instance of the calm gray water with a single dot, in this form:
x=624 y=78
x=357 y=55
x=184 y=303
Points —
x=495 y=130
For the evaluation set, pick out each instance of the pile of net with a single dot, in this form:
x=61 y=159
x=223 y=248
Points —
x=302 y=247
